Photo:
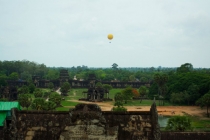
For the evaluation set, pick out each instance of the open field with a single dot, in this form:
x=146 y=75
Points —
x=198 y=115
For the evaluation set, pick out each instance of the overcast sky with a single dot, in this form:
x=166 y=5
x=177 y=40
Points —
x=69 y=33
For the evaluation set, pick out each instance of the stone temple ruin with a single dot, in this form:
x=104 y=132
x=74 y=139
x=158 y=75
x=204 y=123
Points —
x=84 y=122
x=95 y=94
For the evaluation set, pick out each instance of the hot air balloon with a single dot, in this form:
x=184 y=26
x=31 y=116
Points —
x=110 y=37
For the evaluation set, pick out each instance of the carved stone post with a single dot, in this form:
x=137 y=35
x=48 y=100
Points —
x=156 y=134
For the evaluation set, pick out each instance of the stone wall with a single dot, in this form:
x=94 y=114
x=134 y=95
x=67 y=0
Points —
x=1 y=134
x=185 y=135
x=85 y=121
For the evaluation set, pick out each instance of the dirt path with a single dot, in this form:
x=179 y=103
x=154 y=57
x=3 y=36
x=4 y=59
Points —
x=58 y=91
x=163 y=110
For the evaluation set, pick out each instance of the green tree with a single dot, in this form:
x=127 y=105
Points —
x=52 y=74
x=205 y=101
x=25 y=100
x=143 y=91
x=119 y=97
x=178 y=123
x=56 y=98
x=187 y=67
x=31 y=87
x=193 y=91
x=23 y=90
x=107 y=87
x=3 y=79
x=38 y=104
x=177 y=98
x=65 y=88
x=127 y=94
x=161 y=80
x=26 y=76
x=132 y=78
x=38 y=93
x=14 y=76
x=98 y=84
x=49 y=105
x=51 y=86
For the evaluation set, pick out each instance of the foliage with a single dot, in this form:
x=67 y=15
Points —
x=49 y=105
x=107 y=87
x=119 y=109
x=204 y=101
x=132 y=78
x=38 y=104
x=52 y=74
x=135 y=93
x=181 y=79
x=118 y=103
x=98 y=84
x=23 y=90
x=56 y=98
x=25 y=75
x=65 y=88
x=14 y=76
x=31 y=87
x=38 y=93
x=161 y=80
x=177 y=98
x=51 y=86
x=187 y=67
x=143 y=91
x=46 y=94
x=25 y=100
x=127 y=94
x=3 y=99
x=179 y=123
x=3 y=79
x=119 y=96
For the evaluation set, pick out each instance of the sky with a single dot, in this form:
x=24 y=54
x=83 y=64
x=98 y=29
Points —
x=67 y=33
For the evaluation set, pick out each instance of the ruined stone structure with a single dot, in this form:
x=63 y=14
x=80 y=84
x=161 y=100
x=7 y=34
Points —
x=84 y=122
x=9 y=92
x=64 y=77
x=95 y=93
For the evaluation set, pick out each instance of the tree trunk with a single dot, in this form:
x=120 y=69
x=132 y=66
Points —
x=207 y=111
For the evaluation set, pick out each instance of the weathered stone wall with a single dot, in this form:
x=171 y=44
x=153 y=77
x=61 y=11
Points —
x=185 y=135
x=40 y=124
x=83 y=122
x=1 y=135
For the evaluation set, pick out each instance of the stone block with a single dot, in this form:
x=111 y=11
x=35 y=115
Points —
x=28 y=137
x=30 y=133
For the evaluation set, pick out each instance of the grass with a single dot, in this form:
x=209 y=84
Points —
x=198 y=124
x=68 y=103
x=45 y=90
x=62 y=109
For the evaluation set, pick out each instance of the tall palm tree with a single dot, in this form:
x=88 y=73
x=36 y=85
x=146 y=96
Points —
x=161 y=80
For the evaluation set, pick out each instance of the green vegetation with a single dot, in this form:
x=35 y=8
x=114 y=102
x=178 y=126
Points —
x=205 y=101
x=65 y=87
x=68 y=103
x=25 y=100
x=179 y=123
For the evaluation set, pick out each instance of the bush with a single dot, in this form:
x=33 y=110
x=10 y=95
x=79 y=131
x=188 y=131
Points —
x=119 y=109
x=38 y=93
x=179 y=123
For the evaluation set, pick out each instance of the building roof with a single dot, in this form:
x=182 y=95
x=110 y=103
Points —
x=6 y=106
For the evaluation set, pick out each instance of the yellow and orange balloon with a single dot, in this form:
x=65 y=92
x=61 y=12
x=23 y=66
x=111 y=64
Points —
x=110 y=36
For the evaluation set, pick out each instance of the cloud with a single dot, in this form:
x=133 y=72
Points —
x=71 y=33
